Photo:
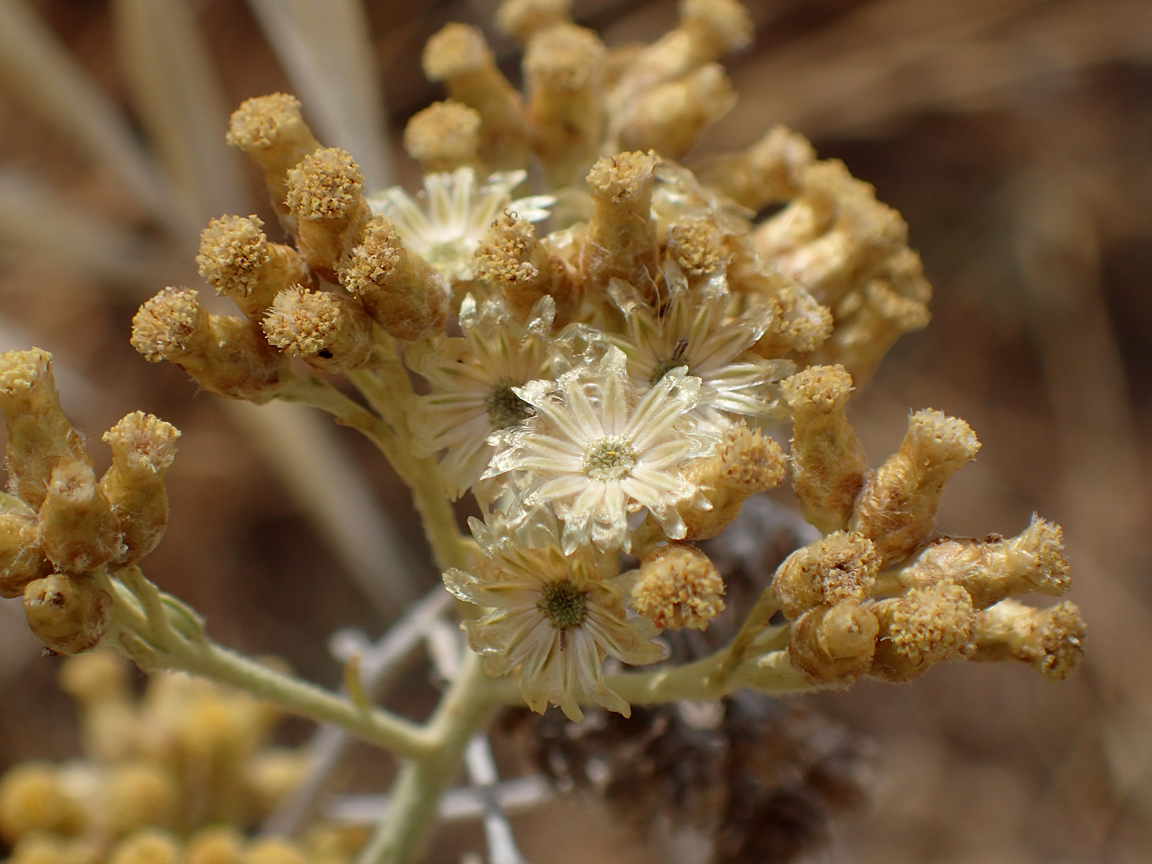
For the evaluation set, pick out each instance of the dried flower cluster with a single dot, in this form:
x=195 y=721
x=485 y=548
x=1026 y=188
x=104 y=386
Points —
x=606 y=368
x=183 y=760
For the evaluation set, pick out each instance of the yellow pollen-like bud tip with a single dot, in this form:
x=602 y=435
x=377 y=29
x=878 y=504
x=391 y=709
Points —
x=678 y=587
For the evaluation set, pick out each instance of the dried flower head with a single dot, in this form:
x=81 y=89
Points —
x=555 y=614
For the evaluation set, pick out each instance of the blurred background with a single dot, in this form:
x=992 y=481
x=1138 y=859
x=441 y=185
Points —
x=1015 y=136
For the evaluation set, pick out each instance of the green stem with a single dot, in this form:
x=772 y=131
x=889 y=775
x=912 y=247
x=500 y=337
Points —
x=141 y=628
x=465 y=709
x=449 y=548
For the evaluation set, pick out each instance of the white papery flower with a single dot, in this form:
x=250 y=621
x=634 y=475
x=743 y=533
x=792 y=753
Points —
x=553 y=614
x=472 y=385
x=455 y=215
x=597 y=452
x=694 y=329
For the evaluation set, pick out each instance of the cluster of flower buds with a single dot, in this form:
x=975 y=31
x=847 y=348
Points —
x=62 y=528
x=157 y=772
x=605 y=365
x=879 y=595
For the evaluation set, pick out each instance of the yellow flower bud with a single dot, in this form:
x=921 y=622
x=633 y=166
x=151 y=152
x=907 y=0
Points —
x=39 y=435
x=678 y=586
x=68 y=614
x=621 y=242
x=77 y=528
x=401 y=291
x=511 y=259
x=745 y=463
x=444 y=136
x=272 y=131
x=143 y=447
x=33 y=799
x=459 y=56
x=237 y=260
x=146 y=847
x=1050 y=640
x=22 y=557
x=272 y=850
x=324 y=195
x=828 y=461
x=834 y=644
x=836 y=568
x=670 y=117
x=522 y=19
x=564 y=78
x=215 y=846
x=225 y=355
x=330 y=331
x=925 y=626
x=769 y=170
x=138 y=795
x=995 y=568
x=897 y=507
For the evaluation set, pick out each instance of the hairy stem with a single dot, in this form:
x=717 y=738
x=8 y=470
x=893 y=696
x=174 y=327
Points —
x=465 y=709
x=144 y=629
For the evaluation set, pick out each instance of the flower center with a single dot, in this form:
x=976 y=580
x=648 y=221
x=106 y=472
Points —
x=669 y=363
x=609 y=459
x=505 y=408
x=565 y=605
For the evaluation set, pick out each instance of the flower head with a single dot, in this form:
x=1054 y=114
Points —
x=596 y=451
x=473 y=381
x=457 y=214
x=556 y=615
x=694 y=329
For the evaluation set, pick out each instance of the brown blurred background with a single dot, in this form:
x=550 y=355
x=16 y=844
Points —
x=1015 y=136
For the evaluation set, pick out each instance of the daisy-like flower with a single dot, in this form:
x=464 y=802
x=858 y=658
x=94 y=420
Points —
x=472 y=382
x=456 y=217
x=595 y=452
x=695 y=329
x=554 y=614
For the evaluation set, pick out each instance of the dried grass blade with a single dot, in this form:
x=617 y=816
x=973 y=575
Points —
x=178 y=96
x=36 y=67
x=327 y=51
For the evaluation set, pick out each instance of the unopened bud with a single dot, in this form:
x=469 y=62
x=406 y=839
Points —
x=897 y=506
x=39 y=435
x=621 y=238
x=769 y=170
x=511 y=259
x=225 y=355
x=671 y=116
x=834 y=644
x=33 y=799
x=828 y=461
x=522 y=19
x=401 y=291
x=745 y=463
x=69 y=614
x=325 y=195
x=331 y=331
x=272 y=131
x=678 y=587
x=459 y=56
x=148 y=846
x=564 y=75
x=444 y=136
x=143 y=448
x=77 y=528
x=237 y=260
x=22 y=557
x=1050 y=640
x=839 y=567
x=993 y=569
x=925 y=626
